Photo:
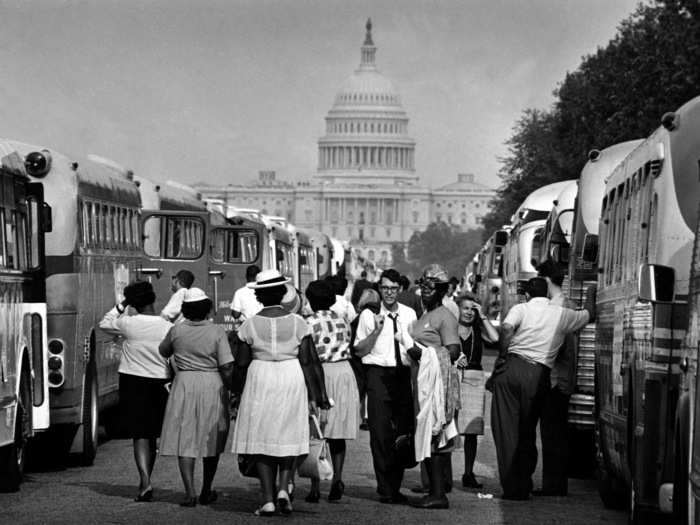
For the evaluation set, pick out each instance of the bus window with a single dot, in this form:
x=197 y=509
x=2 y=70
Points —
x=22 y=246
x=217 y=243
x=3 y=251
x=151 y=236
x=33 y=233
x=247 y=246
x=11 y=240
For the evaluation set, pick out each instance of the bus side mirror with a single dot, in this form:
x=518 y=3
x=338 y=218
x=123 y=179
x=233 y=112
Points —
x=656 y=283
x=46 y=224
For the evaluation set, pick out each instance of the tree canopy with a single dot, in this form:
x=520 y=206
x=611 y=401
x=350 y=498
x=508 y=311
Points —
x=618 y=93
x=440 y=243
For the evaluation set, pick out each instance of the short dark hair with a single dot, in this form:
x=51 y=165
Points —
x=139 y=294
x=454 y=281
x=404 y=283
x=536 y=287
x=392 y=275
x=320 y=294
x=271 y=296
x=196 y=310
x=251 y=272
x=552 y=270
x=185 y=278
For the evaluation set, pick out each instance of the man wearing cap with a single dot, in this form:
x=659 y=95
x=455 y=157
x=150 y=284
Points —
x=181 y=282
x=531 y=335
x=244 y=304
x=388 y=376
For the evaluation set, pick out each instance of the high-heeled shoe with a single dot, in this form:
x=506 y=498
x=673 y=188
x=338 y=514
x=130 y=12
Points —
x=313 y=496
x=283 y=503
x=209 y=497
x=144 y=496
x=337 y=491
x=189 y=502
x=268 y=509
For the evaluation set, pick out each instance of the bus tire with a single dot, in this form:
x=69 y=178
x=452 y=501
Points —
x=612 y=491
x=13 y=456
x=90 y=418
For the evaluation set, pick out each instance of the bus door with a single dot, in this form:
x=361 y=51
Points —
x=38 y=219
x=173 y=241
x=231 y=250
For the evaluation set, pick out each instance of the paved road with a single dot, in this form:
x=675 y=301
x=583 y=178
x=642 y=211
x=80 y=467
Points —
x=104 y=494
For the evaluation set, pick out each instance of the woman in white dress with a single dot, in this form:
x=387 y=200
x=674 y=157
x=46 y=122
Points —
x=273 y=417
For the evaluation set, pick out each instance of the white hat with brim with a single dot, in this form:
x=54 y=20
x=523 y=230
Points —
x=192 y=295
x=268 y=279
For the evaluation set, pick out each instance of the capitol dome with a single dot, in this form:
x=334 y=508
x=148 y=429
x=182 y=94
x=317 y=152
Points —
x=367 y=137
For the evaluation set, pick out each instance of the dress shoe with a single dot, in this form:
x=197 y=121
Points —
x=420 y=489
x=544 y=492
x=337 y=491
x=396 y=499
x=268 y=509
x=283 y=503
x=144 y=496
x=469 y=482
x=207 y=498
x=431 y=502
x=313 y=496
x=189 y=502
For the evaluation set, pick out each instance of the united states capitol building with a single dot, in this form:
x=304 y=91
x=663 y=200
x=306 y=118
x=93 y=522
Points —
x=365 y=189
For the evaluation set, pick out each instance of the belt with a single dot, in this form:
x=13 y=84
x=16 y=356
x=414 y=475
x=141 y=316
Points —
x=528 y=360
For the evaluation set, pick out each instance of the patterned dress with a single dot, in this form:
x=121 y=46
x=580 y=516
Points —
x=331 y=335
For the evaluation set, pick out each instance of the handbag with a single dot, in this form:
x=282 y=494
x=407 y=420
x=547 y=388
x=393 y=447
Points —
x=317 y=464
x=247 y=466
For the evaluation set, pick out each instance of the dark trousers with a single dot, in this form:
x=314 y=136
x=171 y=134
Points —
x=555 y=449
x=390 y=414
x=518 y=392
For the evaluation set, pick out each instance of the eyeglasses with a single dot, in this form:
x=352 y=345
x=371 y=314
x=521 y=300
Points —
x=389 y=289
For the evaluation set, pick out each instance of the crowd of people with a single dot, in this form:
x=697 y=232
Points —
x=403 y=363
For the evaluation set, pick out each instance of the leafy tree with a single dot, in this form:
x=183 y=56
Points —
x=618 y=93
x=443 y=244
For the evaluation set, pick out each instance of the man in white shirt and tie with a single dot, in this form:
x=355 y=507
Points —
x=382 y=341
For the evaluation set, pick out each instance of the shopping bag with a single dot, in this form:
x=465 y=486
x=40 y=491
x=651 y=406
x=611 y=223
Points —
x=317 y=464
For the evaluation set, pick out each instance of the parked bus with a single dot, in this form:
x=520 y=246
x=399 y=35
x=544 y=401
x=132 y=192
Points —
x=487 y=275
x=324 y=251
x=279 y=252
x=648 y=221
x=180 y=233
x=518 y=251
x=24 y=365
x=579 y=261
x=92 y=252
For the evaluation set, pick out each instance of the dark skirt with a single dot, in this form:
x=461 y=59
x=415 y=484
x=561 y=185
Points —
x=142 y=403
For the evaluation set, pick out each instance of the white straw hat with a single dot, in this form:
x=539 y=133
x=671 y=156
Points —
x=268 y=279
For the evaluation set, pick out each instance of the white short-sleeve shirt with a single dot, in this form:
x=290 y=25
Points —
x=382 y=354
x=244 y=301
x=540 y=328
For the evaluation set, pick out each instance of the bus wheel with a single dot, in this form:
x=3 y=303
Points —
x=12 y=457
x=90 y=417
x=612 y=491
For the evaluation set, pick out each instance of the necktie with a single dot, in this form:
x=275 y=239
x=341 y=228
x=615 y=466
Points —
x=397 y=350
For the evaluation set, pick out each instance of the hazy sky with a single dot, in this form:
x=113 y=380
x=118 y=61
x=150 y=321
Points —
x=214 y=91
